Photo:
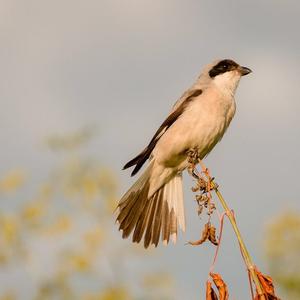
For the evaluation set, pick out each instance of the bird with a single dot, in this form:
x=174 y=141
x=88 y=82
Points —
x=153 y=207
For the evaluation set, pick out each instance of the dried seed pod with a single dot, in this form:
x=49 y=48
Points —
x=211 y=208
x=201 y=198
x=204 y=237
x=202 y=184
x=212 y=235
x=198 y=198
x=200 y=209
x=195 y=188
x=204 y=198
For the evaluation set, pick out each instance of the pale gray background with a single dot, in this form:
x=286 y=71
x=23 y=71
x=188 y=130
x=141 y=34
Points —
x=122 y=64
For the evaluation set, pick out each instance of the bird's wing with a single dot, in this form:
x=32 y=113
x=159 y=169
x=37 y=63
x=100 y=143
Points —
x=177 y=111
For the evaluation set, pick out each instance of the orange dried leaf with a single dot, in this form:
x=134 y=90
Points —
x=268 y=287
x=210 y=293
x=266 y=281
x=260 y=297
x=212 y=235
x=266 y=297
x=221 y=285
x=205 y=234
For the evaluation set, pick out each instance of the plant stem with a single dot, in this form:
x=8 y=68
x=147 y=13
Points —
x=245 y=252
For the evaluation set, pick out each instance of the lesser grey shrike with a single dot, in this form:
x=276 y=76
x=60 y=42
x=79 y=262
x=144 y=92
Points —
x=153 y=206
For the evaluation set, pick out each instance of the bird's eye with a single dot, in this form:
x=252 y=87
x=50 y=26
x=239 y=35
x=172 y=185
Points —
x=224 y=66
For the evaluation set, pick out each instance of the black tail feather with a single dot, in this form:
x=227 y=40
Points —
x=147 y=218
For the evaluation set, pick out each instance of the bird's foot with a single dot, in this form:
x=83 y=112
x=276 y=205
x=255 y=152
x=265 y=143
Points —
x=193 y=159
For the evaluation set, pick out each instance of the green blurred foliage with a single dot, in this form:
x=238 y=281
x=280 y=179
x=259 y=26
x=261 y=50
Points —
x=282 y=250
x=70 y=217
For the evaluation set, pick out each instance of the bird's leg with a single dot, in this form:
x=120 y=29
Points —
x=192 y=157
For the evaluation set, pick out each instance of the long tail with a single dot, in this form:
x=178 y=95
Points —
x=152 y=217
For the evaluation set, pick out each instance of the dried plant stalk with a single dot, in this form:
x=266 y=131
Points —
x=245 y=253
x=263 y=284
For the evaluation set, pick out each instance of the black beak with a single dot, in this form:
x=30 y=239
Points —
x=244 y=71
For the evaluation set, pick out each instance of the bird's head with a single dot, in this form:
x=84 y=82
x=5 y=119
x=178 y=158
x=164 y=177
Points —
x=226 y=74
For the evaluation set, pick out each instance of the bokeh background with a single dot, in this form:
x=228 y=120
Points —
x=83 y=86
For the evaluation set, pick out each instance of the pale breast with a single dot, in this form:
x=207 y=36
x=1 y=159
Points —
x=208 y=119
x=201 y=126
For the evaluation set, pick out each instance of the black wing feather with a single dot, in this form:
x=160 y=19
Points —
x=139 y=160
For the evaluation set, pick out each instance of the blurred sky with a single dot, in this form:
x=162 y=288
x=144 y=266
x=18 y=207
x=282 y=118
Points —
x=120 y=65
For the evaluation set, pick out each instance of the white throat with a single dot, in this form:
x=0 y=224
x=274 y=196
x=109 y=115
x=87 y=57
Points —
x=227 y=82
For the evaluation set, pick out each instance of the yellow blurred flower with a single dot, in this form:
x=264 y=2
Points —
x=282 y=250
x=80 y=262
x=282 y=232
x=3 y=257
x=12 y=181
x=61 y=225
x=8 y=296
x=34 y=211
x=46 y=191
x=157 y=280
x=94 y=237
x=116 y=293
x=8 y=228
x=90 y=187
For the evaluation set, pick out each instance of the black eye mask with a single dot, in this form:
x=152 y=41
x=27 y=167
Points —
x=223 y=66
